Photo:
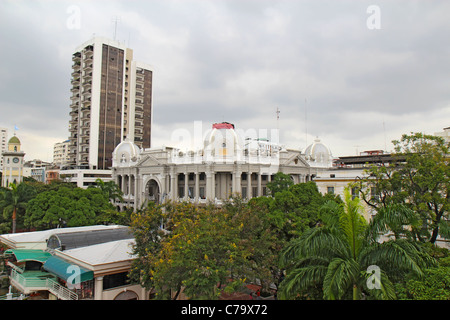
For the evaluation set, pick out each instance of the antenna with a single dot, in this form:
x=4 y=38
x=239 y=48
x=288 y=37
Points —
x=384 y=130
x=115 y=19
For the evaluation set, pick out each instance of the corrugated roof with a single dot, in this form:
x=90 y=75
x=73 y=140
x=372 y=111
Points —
x=67 y=241
x=42 y=236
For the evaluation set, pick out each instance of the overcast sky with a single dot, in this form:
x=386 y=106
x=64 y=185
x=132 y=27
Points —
x=355 y=78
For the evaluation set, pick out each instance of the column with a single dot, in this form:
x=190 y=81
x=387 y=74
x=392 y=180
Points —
x=136 y=191
x=237 y=181
x=208 y=185
x=186 y=186
x=249 y=185
x=98 y=294
x=197 y=187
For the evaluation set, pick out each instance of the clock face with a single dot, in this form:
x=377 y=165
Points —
x=16 y=160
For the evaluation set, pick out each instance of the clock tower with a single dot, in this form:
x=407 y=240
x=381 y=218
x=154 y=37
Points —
x=12 y=163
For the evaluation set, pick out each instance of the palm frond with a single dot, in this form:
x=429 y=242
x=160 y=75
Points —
x=395 y=218
x=301 y=279
x=397 y=256
x=319 y=242
x=341 y=275
x=384 y=290
x=352 y=223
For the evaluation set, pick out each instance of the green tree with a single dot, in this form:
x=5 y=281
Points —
x=337 y=255
x=198 y=250
x=426 y=180
x=434 y=285
x=280 y=182
x=110 y=189
x=66 y=206
x=294 y=210
x=419 y=180
x=13 y=200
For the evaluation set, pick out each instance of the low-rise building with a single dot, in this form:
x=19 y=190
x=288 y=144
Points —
x=82 y=263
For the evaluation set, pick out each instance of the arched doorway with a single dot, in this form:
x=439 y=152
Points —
x=127 y=295
x=152 y=191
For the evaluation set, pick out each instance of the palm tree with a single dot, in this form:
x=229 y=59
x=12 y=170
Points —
x=110 y=189
x=338 y=254
x=14 y=199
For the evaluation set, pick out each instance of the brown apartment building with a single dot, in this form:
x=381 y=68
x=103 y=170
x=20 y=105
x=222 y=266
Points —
x=111 y=100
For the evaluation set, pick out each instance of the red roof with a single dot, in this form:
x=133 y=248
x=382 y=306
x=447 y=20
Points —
x=223 y=125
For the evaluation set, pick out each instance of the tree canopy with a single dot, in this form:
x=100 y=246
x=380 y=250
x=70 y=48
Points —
x=66 y=207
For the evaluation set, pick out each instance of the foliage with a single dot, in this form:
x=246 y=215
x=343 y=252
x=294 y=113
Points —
x=259 y=238
x=294 y=210
x=419 y=180
x=280 y=183
x=196 y=250
x=434 y=285
x=110 y=190
x=13 y=202
x=337 y=255
x=66 y=207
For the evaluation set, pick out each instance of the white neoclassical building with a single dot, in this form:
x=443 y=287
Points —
x=226 y=164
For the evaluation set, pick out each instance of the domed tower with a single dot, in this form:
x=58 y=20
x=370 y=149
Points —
x=13 y=163
x=318 y=154
x=126 y=154
x=223 y=142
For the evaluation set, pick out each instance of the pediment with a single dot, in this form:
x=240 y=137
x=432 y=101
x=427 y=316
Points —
x=149 y=161
x=296 y=160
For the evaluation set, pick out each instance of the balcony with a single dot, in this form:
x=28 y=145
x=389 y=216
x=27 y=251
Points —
x=86 y=116
x=32 y=281
x=75 y=73
x=76 y=56
x=87 y=66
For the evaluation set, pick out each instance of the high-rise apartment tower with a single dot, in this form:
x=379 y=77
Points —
x=111 y=100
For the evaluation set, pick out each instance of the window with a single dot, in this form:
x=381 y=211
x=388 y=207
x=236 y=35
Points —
x=330 y=190
x=115 y=280
x=202 y=192
x=180 y=192
x=244 y=192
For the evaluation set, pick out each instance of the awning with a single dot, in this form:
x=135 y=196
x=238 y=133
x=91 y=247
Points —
x=68 y=271
x=29 y=255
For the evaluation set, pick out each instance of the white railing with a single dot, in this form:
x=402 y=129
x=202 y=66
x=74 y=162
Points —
x=60 y=291
x=35 y=283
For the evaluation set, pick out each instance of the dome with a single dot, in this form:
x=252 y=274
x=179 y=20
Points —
x=14 y=140
x=223 y=140
x=318 y=153
x=126 y=152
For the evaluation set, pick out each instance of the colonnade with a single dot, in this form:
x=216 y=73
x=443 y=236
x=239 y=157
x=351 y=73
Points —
x=195 y=185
